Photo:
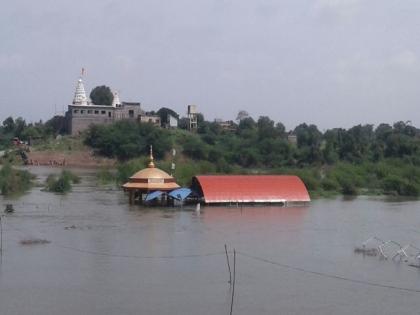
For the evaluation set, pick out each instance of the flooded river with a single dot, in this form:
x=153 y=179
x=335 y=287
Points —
x=107 y=257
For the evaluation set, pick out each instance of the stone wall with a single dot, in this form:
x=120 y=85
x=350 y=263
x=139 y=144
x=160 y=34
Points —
x=80 y=117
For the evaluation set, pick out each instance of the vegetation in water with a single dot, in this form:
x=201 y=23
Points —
x=105 y=176
x=13 y=181
x=358 y=160
x=61 y=183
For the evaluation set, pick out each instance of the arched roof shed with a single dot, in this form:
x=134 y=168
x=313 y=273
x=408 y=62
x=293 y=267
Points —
x=251 y=188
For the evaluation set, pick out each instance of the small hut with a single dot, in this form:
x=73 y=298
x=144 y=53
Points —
x=148 y=180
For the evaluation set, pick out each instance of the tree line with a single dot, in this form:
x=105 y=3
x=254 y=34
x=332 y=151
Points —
x=361 y=159
x=18 y=128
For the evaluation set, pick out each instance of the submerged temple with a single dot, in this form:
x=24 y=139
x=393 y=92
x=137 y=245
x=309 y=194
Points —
x=147 y=180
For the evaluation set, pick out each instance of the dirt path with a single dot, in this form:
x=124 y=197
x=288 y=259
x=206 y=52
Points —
x=69 y=158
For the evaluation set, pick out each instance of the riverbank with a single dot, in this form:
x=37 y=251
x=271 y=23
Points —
x=84 y=158
x=388 y=176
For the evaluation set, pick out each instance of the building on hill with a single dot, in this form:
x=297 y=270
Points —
x=150 y=118
x=292 y=138
x=82 y=113
x=171 y=121
x=192 y=117
x=228 y=125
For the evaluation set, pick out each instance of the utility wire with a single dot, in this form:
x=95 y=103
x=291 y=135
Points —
x=327 y=275
x=139 y=257
x=261 y=259
x=91 y=252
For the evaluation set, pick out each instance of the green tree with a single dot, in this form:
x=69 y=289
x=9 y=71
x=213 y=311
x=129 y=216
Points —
x=195 y=148
x=242 y=114
x=125 y=139
x=9 y=125
x=266 y=128
x=56 y=125
x=184 y=123
x=163 y=114
x=102 y=95
x=20 y=125
x=31 y=132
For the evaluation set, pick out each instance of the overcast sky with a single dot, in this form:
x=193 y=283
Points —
x=334 y=63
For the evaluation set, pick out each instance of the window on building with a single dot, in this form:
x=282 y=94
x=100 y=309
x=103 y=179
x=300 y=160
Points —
x=103 y=112
x=76 y=111
x=131 y=113
x=109 y=114
x=89 y=111
x=82 y=111
x=96 y=111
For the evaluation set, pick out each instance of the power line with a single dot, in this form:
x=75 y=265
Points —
x=327 y=275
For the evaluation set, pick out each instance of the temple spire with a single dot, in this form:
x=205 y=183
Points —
x=80 y=94
x=151 y=163
x=116 y=101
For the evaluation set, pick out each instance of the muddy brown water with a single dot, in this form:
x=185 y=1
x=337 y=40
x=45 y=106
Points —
x=107 y=257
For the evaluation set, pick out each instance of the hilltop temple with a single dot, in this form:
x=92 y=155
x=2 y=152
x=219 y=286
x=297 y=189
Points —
x=82 y=113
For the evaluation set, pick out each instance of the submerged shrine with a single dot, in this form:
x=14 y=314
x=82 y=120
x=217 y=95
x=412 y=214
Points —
x=149 y=180
x=152 y=185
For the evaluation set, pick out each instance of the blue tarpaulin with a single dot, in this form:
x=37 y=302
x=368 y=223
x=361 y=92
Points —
x=180 y=193
x=153 y=195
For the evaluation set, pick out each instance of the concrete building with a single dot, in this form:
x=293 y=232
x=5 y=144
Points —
x=192 y=117
x=172 y=122
x=151 y=119
x=228 y=125
x=292 y=138
x=82 y=113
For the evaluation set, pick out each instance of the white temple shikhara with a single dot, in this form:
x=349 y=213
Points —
x=116 y=101
x=80 y=94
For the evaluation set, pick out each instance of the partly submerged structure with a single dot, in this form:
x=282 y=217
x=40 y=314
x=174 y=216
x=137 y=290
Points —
x=148 y=180
x=266 y=189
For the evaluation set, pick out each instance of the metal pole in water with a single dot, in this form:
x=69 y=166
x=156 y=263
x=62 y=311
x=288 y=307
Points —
x=227 y=258
x=234 y=280
x=1 y=237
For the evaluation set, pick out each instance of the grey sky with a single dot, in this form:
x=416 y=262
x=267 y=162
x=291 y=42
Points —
x=335 y=63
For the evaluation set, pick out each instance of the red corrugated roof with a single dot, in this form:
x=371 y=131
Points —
x=252 y=188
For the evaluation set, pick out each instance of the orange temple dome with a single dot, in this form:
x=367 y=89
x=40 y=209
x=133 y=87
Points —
x=151 y=178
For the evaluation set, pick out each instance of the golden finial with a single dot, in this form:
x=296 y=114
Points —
x=151 y=163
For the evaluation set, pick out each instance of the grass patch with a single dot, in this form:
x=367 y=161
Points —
x=61 y=144
x=105 y=176
x=61 y=183
x=14 y=181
